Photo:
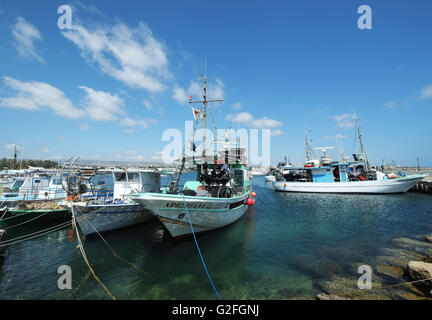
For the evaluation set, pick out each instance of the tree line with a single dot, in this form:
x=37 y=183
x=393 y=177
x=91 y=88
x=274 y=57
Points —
x=24 y=164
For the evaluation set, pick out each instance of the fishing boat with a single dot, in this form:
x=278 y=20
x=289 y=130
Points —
x=102 y=214
x=34 y=213
x=217 y=197
x=328 y=176
x=33 y=188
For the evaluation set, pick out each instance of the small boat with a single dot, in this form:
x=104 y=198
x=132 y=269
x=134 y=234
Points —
x=219 y=196
x=33 y=188
x=101 y=214
x=270 y=178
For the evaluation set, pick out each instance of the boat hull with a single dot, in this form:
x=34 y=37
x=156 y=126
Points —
x=398 y=185
x=109 y=217
x=205 y=213
x=15 y=217
x=270 y=178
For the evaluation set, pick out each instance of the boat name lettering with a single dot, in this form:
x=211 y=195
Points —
x=197 y=205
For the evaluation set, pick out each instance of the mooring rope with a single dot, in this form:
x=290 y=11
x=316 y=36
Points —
x=35 y=234
x=103 y=239
x=28 y=221
x=199 y=251
x=41 y=232
x=81 y=248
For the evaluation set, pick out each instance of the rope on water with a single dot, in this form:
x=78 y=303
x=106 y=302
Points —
x=28 y=221
x=81 y=248
x=40 y=232
x=103 y=239
x=35 y=234
x=199 y=251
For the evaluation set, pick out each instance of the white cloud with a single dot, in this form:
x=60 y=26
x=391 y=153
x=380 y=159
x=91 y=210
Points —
x=247 y=119
x=11 y=146
x=426 y=93
x=345 y=120
x=147 y=104
x=131 y=55
x=179 y=94
x=84 y=126
x=24 y=35
x=35 y=95
x=46 y=150
x=101 y=105
x=215 y=90
x=132 y=123
x=237 y=105
x=390 y=104
x=276 y=132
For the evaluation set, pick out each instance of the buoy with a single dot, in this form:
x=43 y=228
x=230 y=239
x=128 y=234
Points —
x=250 y=202
x=253 y=194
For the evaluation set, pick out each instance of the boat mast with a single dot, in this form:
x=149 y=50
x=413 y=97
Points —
x=363 y=151
x=204 y=102
x=308 y=148
x=15 y=157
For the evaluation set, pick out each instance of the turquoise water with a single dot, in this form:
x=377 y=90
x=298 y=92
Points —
x=287 y=246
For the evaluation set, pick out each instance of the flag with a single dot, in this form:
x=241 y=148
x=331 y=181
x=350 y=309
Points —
x=196 y=113
x=190 y=97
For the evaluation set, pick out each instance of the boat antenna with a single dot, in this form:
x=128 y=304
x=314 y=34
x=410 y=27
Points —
x=363 y=151
x=204 y=103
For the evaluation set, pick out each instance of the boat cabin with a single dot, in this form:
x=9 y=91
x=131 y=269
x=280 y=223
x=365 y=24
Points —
x=135 y=180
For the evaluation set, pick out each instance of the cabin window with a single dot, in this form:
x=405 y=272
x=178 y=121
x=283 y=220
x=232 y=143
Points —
x=56 y=182
x=133 y=177
x=120 y=176
x=37 y=181
x=18 y=183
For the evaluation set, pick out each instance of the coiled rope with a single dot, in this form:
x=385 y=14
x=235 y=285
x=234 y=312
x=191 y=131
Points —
x=199 y=251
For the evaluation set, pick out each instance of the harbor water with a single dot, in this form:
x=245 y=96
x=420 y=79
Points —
x=287 y=246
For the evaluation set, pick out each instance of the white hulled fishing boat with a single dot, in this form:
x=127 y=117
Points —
x=327 y=176
x=34 y=188
x=219 y=195
x=101 y=213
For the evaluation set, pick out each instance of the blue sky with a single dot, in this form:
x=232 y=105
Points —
x=109 y=88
